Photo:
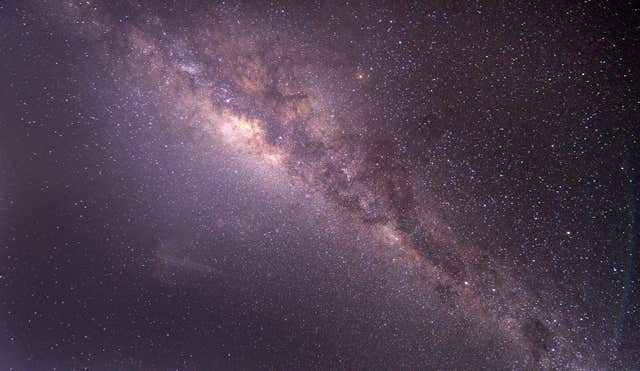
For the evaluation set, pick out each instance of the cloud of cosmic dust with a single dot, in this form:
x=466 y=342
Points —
x=253 y=89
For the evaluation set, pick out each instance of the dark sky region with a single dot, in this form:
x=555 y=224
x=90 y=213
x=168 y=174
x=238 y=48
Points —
x=319 y=185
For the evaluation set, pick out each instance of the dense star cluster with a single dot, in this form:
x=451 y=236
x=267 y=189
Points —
x=389 y=185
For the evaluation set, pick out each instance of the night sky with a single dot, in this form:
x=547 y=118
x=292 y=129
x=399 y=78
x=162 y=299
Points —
x=319 y=185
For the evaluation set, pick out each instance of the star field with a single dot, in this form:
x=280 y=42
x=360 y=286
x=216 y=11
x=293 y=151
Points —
x=323 y=185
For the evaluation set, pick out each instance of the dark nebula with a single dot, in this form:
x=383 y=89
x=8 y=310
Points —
x=318 y=185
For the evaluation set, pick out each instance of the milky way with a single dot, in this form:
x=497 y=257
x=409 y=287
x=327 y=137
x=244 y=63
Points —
x=455 y=164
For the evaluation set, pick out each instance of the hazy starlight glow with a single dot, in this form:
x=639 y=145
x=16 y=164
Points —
x=448 y=192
